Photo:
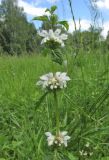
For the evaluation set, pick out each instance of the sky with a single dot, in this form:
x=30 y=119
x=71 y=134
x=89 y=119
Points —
x=81 y=10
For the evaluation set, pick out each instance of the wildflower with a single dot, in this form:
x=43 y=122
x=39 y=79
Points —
x=54 y=81
x=55 y=36
x=91 y=153
x=60 y=139
x=86 y=153
x=50 y=138
x=83 y=153
x=87 y=144
x=2 y=18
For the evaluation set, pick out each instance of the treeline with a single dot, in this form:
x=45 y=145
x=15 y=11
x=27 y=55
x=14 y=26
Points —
x=18 y=36
x=88 y=41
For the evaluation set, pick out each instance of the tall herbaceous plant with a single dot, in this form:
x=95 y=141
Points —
x=52 y=83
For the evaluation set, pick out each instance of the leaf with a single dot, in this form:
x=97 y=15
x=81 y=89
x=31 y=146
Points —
x=54 y=19
x=16 y=144
x=38 y=102
x=47 y=10
x=71 y=157
x=57 y=56
x=95 y=130
x=105 y=158
x=41 y=18
x=65 y=24
x=53 y=8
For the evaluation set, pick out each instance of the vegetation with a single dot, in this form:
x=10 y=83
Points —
x=18 y=36
x=83 y=107
x=80 y=107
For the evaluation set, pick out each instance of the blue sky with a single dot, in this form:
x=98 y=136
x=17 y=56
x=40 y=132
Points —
x=80 y=7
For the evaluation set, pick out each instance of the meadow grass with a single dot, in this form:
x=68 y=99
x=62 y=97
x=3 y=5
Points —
x=84 y=108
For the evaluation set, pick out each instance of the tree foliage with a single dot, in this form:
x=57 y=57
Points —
x=16 y=34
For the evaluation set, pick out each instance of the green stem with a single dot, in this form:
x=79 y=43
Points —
x=55 y=155
x=57 y=112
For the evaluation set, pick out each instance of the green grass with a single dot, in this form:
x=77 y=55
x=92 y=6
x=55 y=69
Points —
x=84 y=108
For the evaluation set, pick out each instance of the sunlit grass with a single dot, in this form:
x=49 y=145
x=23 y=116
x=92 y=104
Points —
x=84 y=108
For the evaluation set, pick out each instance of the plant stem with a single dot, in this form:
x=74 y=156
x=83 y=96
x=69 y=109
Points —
x=55 y=155
x=57 y=112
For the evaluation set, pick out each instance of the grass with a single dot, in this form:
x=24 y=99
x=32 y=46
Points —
x=84 y=108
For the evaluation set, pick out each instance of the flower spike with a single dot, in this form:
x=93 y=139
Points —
x=54 y=81
x=55 y=36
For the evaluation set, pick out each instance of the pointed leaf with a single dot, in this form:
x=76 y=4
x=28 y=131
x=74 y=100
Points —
x=57 y=56
x=47 y=10
x=65 y=24
x=41 y=18
x=71 y=157
x=53 y=8
x=105 y=158
x=54 y=19
x=39 y=102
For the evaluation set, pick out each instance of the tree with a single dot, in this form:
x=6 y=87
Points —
x=17 y=33
x=85 y=40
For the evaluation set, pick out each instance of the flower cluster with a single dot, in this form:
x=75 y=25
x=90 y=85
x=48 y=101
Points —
x=51 y=35
x=54 y=81
x=87 y=151
x=60 y=139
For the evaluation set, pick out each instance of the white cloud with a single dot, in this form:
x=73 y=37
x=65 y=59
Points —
x=105 y=29
x=85 y=24
x=31 y=9
x=103 y=4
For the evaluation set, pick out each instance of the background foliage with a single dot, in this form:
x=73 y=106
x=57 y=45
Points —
x=18 y=36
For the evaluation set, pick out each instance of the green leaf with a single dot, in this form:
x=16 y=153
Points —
x=41 y=18
x=16 y=144
x=47 y=10
x=71 y=157
x=57 y=56
x=53 y=8
x=105 y=158
x=95 y=130
x=65 y=24
x=40 y=100
x=54 y=19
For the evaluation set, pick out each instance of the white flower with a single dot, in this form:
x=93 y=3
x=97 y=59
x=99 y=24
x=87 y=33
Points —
x=91 y=153
x=87 y=144
x=56 y=36
x=83 y=153
x=54 y=81
x=2 y=18
x=50 y=138
x=60 y=139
